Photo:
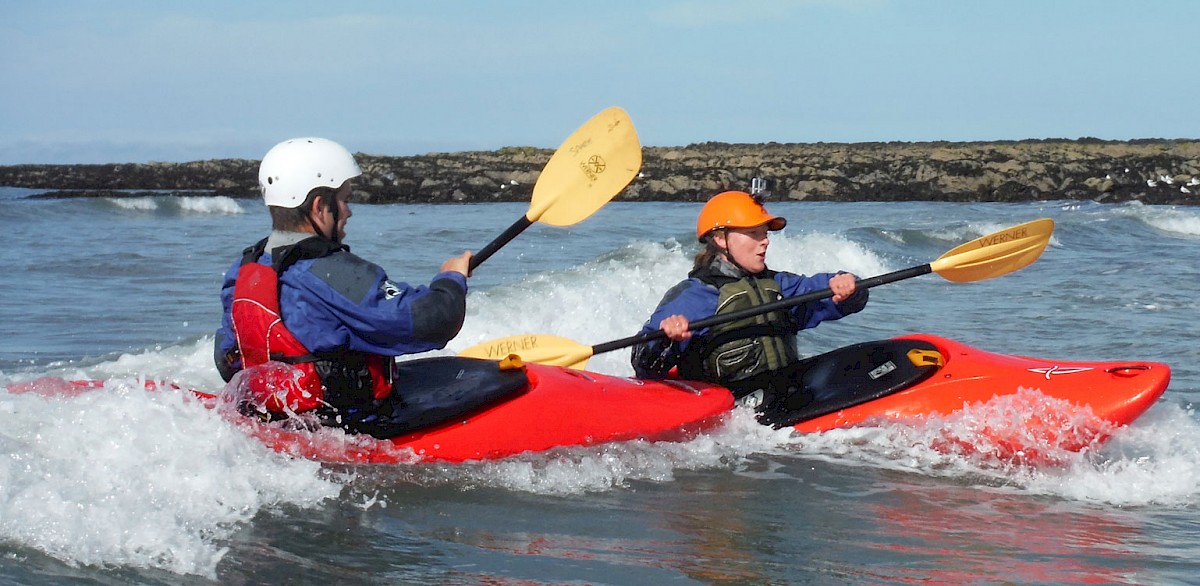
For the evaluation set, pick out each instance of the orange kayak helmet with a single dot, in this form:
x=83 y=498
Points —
x=735 y=209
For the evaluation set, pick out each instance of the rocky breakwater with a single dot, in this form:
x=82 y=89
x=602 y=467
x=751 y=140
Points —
x=1150 y=171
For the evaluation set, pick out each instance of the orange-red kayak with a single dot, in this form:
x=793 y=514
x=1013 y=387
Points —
x=918 y=376
x=560 y=407
x=557 y=407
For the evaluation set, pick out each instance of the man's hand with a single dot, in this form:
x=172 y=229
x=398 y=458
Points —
x=459 y=264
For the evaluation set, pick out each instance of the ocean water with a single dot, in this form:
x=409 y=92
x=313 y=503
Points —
x=123 y=486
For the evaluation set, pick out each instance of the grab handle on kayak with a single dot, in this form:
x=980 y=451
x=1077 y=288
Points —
x=1130 y=370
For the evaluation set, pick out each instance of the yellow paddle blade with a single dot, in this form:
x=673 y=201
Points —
x=590 y=168
x=996 y=254
x=539 y=348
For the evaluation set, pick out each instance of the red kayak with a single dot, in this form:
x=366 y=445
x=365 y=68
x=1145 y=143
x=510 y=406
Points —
x=558 y=407
x=552 y=407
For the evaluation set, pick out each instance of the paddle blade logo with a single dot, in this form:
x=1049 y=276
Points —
x=498 y=349
x=593 y=166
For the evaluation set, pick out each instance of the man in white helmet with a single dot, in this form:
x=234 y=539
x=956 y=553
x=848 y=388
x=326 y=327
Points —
x=301 y=298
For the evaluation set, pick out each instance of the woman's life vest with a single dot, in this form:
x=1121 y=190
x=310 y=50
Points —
x=745 y=349
x=339 y=379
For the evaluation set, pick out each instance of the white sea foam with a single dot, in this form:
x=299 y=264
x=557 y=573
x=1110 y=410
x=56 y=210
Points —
x=186 y=204
x=816 y=252
x=210 y=205
x=125 y=477
x=144 y=204
x=1154 y=461
x=1180 y=222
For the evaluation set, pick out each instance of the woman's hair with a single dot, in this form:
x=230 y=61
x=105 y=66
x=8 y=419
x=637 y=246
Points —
x=296 y=219
x=707 y=254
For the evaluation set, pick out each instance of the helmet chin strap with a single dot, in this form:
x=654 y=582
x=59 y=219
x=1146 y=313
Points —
x=729 y=255
x=334 y=237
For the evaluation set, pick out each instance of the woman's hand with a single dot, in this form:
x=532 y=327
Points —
x=843 y=286
x=676 y=328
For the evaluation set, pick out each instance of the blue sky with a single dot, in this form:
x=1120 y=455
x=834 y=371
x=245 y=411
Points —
x=134 y=81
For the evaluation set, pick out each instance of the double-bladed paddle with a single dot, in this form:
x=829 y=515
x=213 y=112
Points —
x=590 y=168
x=990 y=256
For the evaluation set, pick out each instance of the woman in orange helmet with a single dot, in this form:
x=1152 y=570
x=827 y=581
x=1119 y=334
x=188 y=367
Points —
x=755 y=357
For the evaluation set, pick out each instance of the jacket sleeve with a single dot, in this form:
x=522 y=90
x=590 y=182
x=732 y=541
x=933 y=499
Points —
x=342 y=301
x=811 y=314
x=691 y=299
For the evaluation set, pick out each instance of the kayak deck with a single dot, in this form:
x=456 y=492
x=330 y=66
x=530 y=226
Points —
x=562 y=407
x=1117 y=392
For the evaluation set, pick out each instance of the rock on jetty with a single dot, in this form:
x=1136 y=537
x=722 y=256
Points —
x=1153 y=171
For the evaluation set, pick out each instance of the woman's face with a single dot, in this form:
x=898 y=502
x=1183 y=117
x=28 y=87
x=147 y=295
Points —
x=746 y=247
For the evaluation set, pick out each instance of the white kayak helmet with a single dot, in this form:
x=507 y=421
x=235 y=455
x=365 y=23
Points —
x=295 y=167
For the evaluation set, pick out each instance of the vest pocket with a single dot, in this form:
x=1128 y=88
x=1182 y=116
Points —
x=740 y=360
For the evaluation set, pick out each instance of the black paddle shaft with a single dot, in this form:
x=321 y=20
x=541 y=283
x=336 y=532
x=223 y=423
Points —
x=761 y=309
x=512 y=232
